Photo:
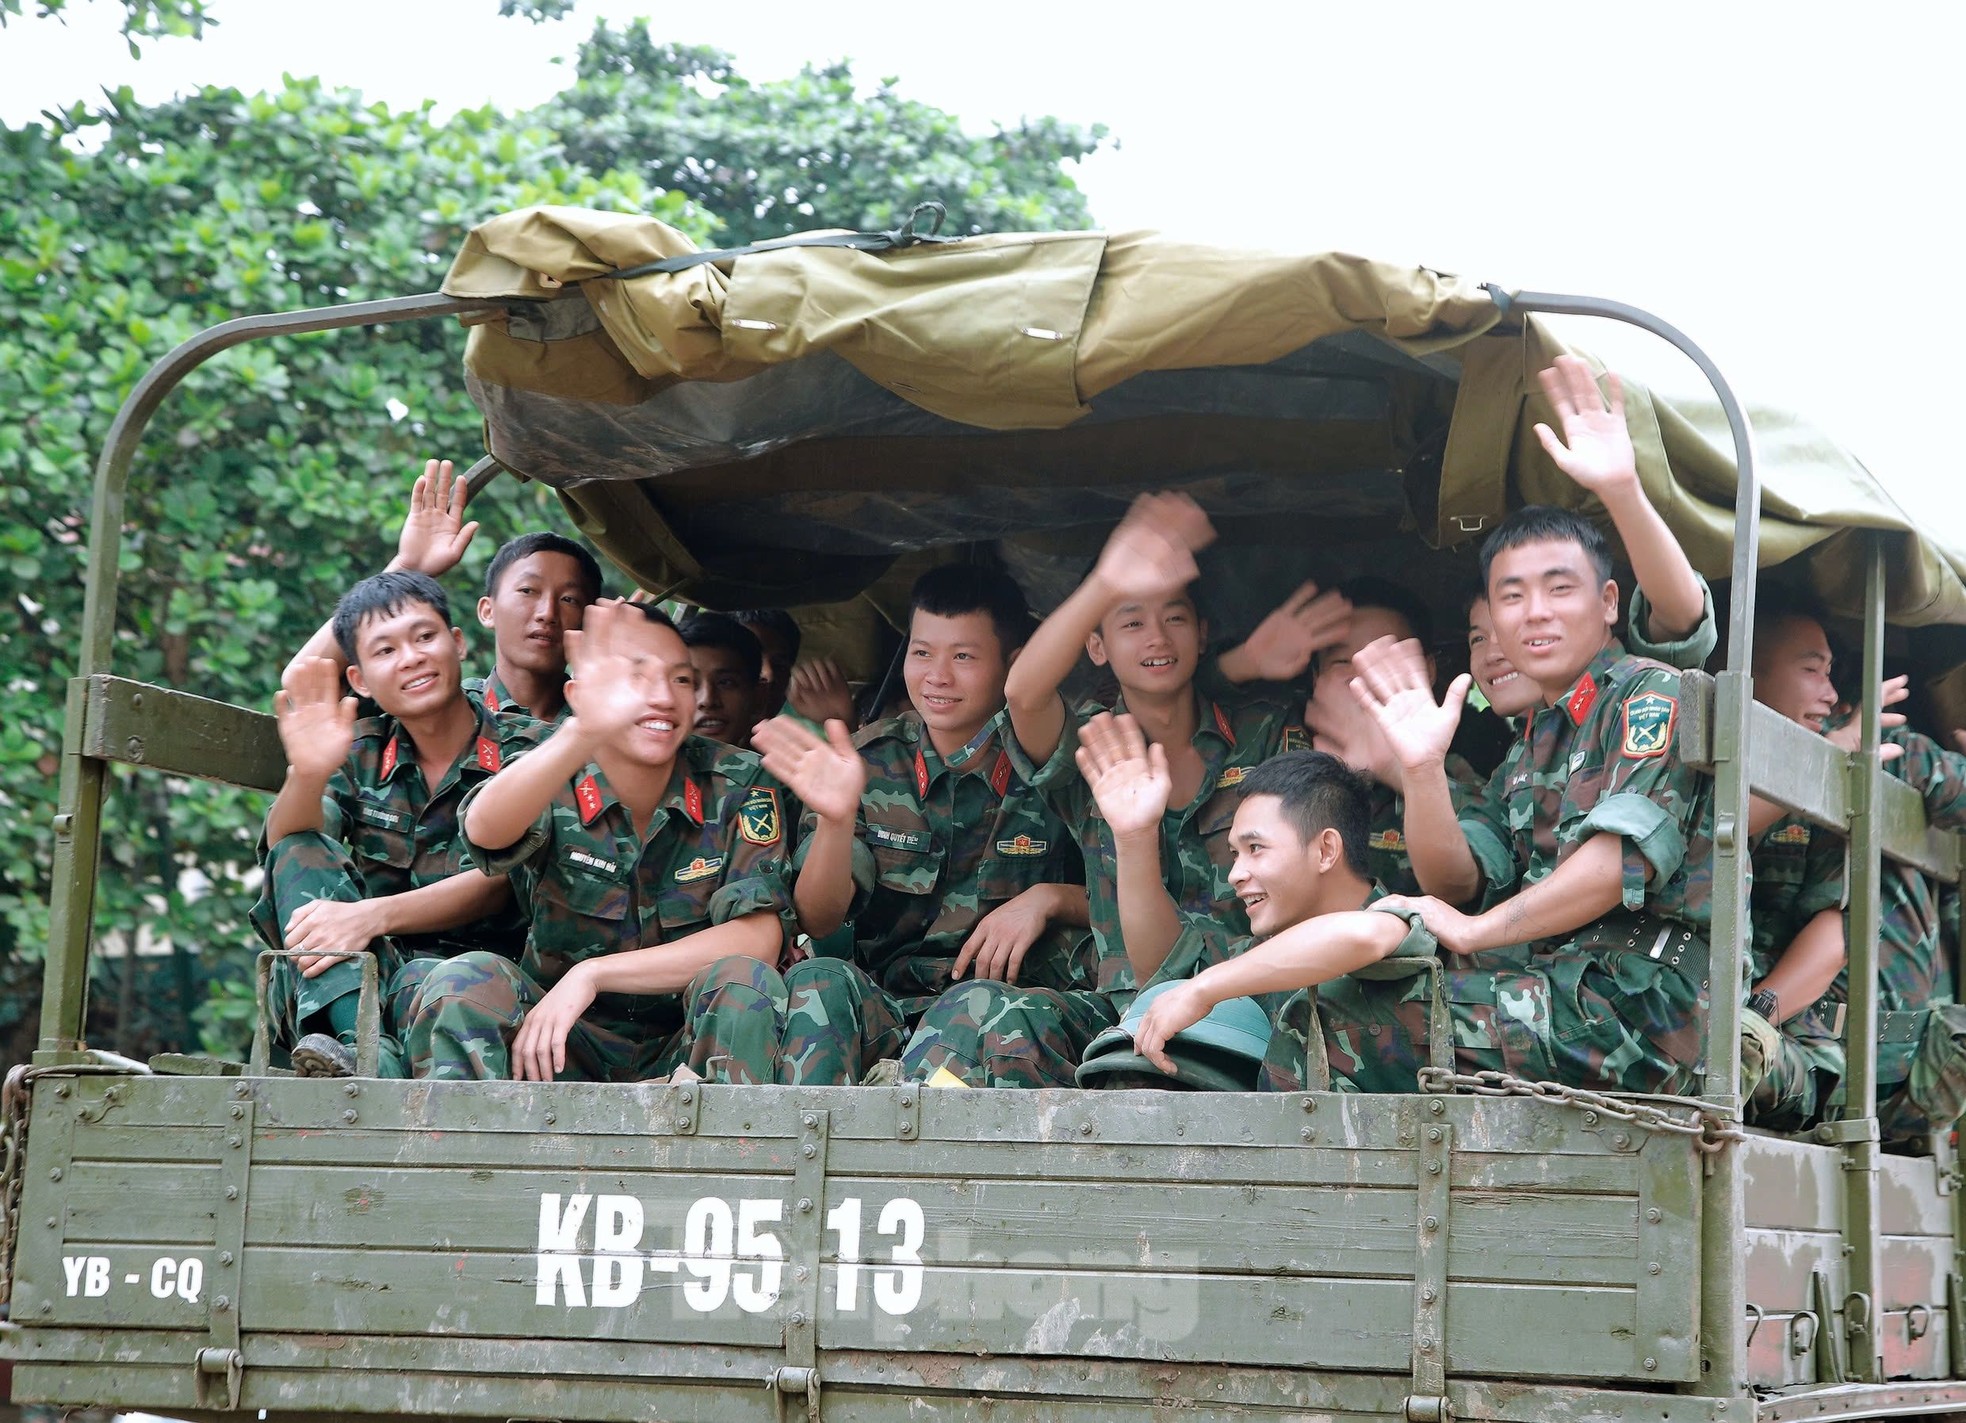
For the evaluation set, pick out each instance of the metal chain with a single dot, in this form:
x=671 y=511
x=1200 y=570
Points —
x=13 y=1143
x=1709 y=1129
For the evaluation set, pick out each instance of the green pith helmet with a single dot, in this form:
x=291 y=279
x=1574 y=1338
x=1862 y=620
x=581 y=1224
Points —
x=1221 y=1053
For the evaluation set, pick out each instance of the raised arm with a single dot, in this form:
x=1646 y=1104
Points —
x=1129 y=779
x=317 y=728
x=829 y=778
x=1595 y=450
x=433 y=539
x=1393 y=686
x=605 y=701
x=1151 y=555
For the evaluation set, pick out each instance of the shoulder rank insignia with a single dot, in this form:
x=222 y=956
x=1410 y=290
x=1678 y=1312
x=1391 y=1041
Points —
x=488 y=754
x=1222 y=723
x=1649 y=721
x=1000 y=774
x=699 y=868
x=1582 y=699
x=389 y=755
x=1296 y=738
x=693 y=799
x=587 y=795
x=921 y=774
x=1232 y=776
x=1022 y=845
x=757 y=818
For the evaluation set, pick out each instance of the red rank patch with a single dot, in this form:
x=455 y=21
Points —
x=389 y=755
x=587 y=795
x=921 y=775
x=491 y=700
x=488 y=754
x=1222 y=723
x=693 y=800
x=1000 y=774
x=1582 y=700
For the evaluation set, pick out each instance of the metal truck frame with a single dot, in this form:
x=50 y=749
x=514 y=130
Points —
x=202 y=1245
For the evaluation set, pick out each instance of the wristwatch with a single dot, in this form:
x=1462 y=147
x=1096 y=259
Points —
x=1766 y=1004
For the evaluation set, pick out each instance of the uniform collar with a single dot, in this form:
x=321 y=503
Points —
x=972 y=759
x=1576 y=703
x=1210 y=717
x=592 y=794
x=399 y=751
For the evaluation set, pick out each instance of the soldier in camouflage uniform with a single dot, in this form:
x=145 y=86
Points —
x=1592 y=843
x=362 y=850
x=923 y=839
x=654 y=866
x=1133 y=615
x=537 y=587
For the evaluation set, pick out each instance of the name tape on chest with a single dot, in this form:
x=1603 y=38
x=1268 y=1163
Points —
x=894 y=839
x=758 y=818
x=1648 y=724
x=588 y=860
x=376 y=815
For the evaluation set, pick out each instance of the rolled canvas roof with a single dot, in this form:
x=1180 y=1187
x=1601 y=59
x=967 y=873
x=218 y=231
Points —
x=789 y=426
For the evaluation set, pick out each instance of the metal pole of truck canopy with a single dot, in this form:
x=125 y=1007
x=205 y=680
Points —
x=1723 y=1272
x=71 y=905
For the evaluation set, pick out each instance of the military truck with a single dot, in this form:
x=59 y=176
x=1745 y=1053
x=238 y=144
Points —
x=800 y=424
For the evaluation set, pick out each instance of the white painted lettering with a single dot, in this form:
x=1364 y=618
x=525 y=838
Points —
x=617 y=1236
x=557 y=1265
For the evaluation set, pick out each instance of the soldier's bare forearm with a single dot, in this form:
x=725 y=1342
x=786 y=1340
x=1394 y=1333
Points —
x=1068 y=906
x=1659 y=564
x=1586 y=886
x=668 y=968
x=448 y=904
x=823 y=893
x=1037 y=712
x=1808 y=966
x=1149 y=920
x=501 y=813
x=1442 y=862
x=297 y=808
x=1304 y=955
x=322 y=644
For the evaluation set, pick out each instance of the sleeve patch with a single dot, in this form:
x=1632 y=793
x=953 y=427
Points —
x=757 y=818
x=1649 y=722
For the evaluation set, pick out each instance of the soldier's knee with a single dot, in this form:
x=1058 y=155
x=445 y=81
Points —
x=739 y=974
x=474 y=978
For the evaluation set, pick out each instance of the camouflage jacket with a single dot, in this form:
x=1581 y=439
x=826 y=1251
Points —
x=1912 y=963
x=1686 y=653
x=941 y=843
x=496 y=697
x=1194 y=839
x=403 y=835
x=716 y=849
x=1603 y=760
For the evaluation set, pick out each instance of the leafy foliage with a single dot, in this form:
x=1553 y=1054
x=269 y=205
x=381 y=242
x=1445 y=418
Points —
x=143 y=19
x=276 y=474
x=809 y=151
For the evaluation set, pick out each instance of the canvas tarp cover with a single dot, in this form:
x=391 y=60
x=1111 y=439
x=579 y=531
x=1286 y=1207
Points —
x=792 y=426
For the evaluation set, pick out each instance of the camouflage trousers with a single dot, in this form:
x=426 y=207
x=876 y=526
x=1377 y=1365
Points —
x=1787 y=1073
x=1617 y=1022
x=731 y=1014
x=302 y=868
x=1000 y=1035
x=1921 y=1071
x=838 y=1024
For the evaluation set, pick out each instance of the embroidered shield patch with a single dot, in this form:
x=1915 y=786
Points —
x=1649 y=722
x=757 y=818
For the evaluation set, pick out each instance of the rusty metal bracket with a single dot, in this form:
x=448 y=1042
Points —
x=1829 y=1343
x=211 y=1365
x=792 y=1381
x=1857 y=1311
x=908 y=1111
x=368 y=1010
x=1433 y=1170
x=686 y=1099
x=1802 y=1340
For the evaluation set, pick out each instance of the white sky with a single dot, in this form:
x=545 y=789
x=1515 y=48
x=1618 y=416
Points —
x=1780 y=180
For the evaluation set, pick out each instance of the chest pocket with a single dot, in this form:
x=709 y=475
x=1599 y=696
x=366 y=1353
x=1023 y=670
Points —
x=684 y=904
x=905 y=871
x=380 y=835
x=1212 y=824
x=577 y=916
x=1003 y=877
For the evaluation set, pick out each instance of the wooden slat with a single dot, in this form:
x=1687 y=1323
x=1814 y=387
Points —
x=182 y=735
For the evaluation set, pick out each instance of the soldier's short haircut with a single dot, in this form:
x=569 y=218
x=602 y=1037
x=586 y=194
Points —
x=1540 y=522
x=1367 y=591
x=720 y=630
x=527 y=545
x=383 y=596
x=774 y=620
x=1775 y=603
x=1470 y=595
x=958 y=588
x=1318 y=792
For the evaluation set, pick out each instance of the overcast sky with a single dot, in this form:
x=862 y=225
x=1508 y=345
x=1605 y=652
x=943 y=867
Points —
x=1780 y=180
